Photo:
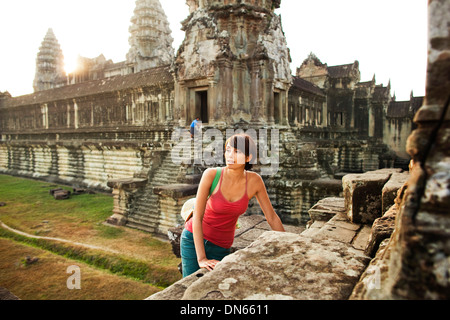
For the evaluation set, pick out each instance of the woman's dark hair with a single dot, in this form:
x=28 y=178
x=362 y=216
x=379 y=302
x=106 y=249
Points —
x=246 y=145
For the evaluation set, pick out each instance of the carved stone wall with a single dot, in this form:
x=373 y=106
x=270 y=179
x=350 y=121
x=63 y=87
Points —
x=235 y=56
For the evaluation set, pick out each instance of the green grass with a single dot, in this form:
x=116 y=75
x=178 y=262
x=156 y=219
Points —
x=30 y=198
x=116 y=264
x=30 y=208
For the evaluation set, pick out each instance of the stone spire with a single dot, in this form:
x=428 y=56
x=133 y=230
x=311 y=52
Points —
x=150 y=37
x=49 y=64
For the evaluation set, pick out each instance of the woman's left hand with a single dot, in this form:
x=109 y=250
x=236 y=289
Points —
x=208 y=264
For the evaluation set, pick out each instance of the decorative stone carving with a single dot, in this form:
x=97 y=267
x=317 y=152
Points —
x=235 y=55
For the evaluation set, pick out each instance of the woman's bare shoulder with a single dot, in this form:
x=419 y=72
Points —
x=254 y=175
x=255 y=184
x=210 y=173
x=254 y=178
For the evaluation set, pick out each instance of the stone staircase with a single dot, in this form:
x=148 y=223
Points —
x=146 y=216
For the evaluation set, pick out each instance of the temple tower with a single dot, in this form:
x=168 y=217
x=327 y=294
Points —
x=49 y=65
x=233 y=65
x=150 y=37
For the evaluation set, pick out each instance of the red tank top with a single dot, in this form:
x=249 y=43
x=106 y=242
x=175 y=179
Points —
x=221 y=216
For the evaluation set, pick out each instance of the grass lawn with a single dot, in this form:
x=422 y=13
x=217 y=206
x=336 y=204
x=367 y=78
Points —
x=47 y=278
x=128 y=255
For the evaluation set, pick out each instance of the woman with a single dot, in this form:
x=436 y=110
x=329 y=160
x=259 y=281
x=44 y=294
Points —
x=209 y=234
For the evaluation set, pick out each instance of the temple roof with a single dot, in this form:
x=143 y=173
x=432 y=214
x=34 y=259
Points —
x=402 y=109
x=304 y=85
x=150 y=77
x=342 y=71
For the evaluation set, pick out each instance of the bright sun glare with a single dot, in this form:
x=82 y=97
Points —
x=70 y=64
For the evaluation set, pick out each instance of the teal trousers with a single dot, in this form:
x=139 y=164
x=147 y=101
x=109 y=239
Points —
x=189 y=262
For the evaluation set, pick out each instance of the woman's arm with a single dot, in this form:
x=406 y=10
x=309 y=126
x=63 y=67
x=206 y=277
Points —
x=197 y=222
x=266 y=206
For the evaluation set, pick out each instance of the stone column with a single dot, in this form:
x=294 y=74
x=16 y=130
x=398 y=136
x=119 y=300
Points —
x=212 y=101
x=269 y=102
x=255 y=93
x=123 y=193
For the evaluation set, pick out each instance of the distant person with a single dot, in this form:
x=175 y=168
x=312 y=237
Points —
x=193 y=126
x=209 y=234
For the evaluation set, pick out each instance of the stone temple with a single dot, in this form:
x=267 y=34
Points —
x=114 y=126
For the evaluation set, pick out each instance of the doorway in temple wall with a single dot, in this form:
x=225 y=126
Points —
x=201 y=105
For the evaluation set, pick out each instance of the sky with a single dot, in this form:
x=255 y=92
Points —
x=387 y=37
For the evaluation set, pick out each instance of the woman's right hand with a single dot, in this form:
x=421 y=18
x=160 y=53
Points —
x=208 y=264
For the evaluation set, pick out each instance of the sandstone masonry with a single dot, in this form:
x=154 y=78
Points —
x=112 y=123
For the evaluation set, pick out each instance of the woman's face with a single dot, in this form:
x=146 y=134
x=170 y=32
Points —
x=235 y=157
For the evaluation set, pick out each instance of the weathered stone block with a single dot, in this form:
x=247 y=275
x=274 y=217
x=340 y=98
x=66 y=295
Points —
x=176 y=190
x=117 y=220
x=52 y=191
x=283 y=266
x=362 y=238
x=382 y=229
x=78 y=191
x=327 y=208
x=61 y=194
x=5 y=294
x=363 y=195
x=390 y=189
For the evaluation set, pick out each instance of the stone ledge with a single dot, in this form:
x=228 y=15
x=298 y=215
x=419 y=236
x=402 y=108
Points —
x=277 y=266
x=369 y=195
x=176 y=191
x=323 y=239
x=340 y=229
x=327 y=208
x=132 y=183
x=250 y=228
